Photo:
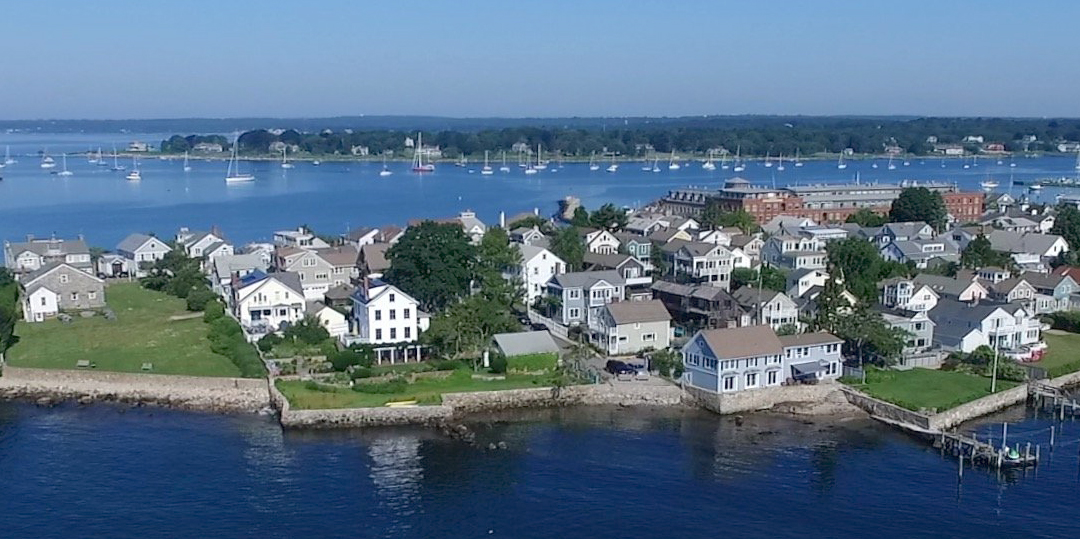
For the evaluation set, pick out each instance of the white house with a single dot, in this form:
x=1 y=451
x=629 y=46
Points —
x=768 y=307
x=538 y=266
x=263 y=302
x=301 y=238
x=202 y=244
x=707 y=263
x=314 y=272
x=794 y=252
x=600 y=241
x=801 y=281
x=908 y=295
x=336 y=324
x=964 y=327
x=383 y=314
x=141 y=251
x=34 y=254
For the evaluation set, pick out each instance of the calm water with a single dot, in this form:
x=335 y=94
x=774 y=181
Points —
x=104 y=471
x=334 y=197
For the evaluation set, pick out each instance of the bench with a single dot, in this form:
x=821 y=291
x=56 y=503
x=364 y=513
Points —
x=82 y=364
x=147 y=366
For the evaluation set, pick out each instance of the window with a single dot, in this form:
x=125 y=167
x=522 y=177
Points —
x=322 y=276
x=536 y=270
x=393 y=314
x=408 y=331
x=392 y=298
x=771 y=378
x=691 y=359
x=43 y=300
x=74 y=296
x=378 y=314
x=575 y=313
x=405 y=314
x=393 y=333
x=63 y=278
x=378 y=334
x=309 y=262
x=751 y=380
x=648 y=337
x=575 y=293
x=92 y=295
x=729 y=383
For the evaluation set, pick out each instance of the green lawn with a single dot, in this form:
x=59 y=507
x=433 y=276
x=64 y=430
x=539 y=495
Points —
x=532 y=362
x=141 y=333
x=424 y=391
x=917 y=389
x=1062 y=353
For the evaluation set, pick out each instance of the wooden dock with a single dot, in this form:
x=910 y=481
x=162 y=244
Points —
x=1053 y=400
x=969 y=448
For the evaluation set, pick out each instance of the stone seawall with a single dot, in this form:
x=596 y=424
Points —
x=886 y=410
x=979 y=407
x=820 y=399
x=185 y=392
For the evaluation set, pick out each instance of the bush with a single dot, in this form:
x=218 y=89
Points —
x=351 y=357
x=360 y=372
x=382 y=388
x=269 y=341
x=448 y=365
x=213 y=311
x=307 y=331
x=199 y=298
x=498 y=364
x=226 y=338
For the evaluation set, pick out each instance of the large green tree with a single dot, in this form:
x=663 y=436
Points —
x=568 y=245
x=1067 y=225
x=9 y=296
x=867 y=218
x=608 y=217
x=495 y=257
x=771 y=278
x=433 y=262
x=868 y=337
x=919 y=204
x=581 y=217
x=859 y=264
x=715 y=217
x=979 y=253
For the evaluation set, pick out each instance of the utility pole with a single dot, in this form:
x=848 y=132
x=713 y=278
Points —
x=993 y=376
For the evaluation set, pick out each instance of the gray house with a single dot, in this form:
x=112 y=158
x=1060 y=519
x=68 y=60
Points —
x=581 y=295
x=628 y=327
x=34 y=254
x=58 y=287
x=917 y=323
x=638 y=247
x=141 y=251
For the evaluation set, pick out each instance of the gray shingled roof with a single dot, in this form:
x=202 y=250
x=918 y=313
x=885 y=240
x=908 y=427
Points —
x=942 y=284
x=611 y=261
x=529 y=342
x=809 y=339
x=132 y=243
x=735 y=343
x=41 y=247
x=1015 y=242
x=585 y=279
x=374 y=256
x=630 y=312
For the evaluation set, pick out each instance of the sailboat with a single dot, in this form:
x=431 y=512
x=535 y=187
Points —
x=592 y=162
x=656 y=164
x=101 y=160
x=708 y=164
x=613 y=167
x=1012 y=160
x=780 y=165
x=116 y=166
x=46 y=161
x=385 y=171
x=134 y=175
x=187 y=167
x=504 y=168
x=673 y=164
x=723 y=161
x=768 y=162
x=966 y=165
x=989 y=184
x=419 y=166
x=461 y=162
x=65 y=171
x=486 y=170
x=233 y=175
x=891 y=166
x=840 y=164
x=1077 y=166
x=91 y=158
x=7 y=156
x=285 y=158
x=739 y=166
x=798 y=163
x=975 y=160
x=874 y=164
x=907 y=163
x=540 y=163
x=646 y=166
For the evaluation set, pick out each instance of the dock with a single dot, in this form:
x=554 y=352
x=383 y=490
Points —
x=1053 y=400
x=969 y=448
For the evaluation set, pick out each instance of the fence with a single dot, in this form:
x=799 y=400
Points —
x=554 y=327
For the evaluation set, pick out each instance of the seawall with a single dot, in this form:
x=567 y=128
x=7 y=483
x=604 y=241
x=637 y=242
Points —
x=185 y=392
x=826 y=398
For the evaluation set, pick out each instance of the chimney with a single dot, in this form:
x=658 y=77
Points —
x=367 y=287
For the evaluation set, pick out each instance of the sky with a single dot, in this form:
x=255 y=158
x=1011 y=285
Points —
x=111 y=59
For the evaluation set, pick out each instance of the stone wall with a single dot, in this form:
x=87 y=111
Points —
x=621 y=394
x=978 y=407
x=186 y=392
x=796 y=396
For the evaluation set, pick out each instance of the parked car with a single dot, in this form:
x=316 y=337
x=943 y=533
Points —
x=613 y=366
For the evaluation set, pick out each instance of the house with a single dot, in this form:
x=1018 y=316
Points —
x=739 y=259
x=703 y=263
x=202 y=244
x=737 y=359
x=917 y=323
x=360 y=236
x=638 y=247
x=909 y=231
x=383 y=314
x=633 y=271
x=225 y=268
x=340 y=296
x=629 y=327
x=992 y=274
x=645 y=223
x=800 y=281
x=750 y=244
x=301 y=238
x=580 y=295
x=824 y=233
x=34 y=254
x=528 y=236
x=59 y=287
x=700 y=306
x=907 y=294
x=538 y=266
x=314 y=271
x=372 y=261
x=787 y=225
x=794 y=252
x=715 y=236
x=768 y=307
x=267 y=302
x=1053 y=291
x=112 y=265
x=141 y=251
x=343 y=259
x=1014 y=289
x=921 y=252
x=1045 y=246
x=967 y=290
x=599 y=241
x=473 y=227
x=966 y=326
x=525 y=343
x=335 y=323
x=667 y=235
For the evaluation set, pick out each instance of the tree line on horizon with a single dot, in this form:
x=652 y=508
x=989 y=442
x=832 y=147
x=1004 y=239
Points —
x=752 y=136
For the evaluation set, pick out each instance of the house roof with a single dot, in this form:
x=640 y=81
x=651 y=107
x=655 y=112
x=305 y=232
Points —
x=612 y=261
x=803 y=272
x=735 y=343
x=1071 y=271
x=287 y=278
x=943 y=285
x=630 y=312
x=585 y=279
x=341 y=291
x=388 y=233
x=374 y=256
x=1015 y=242
x=133 y=242
x=627 y=237
x=752 y=297
x=41 y=247
x=697 y=248
x=344 y=255
x=1044 y=281
x=28 y=279
x=665 y=234
x=527 y=342
x=809 y=339
x=913 y=249
x=742 y=240
x=904 y=230
x=357 y=234
x=529 y=252
x=1008 y=285
x=950 y=311
x=226 y=265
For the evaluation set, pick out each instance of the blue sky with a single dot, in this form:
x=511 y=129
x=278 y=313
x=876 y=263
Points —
x=152 y=59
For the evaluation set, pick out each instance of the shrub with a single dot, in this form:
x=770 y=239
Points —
x=498 y=364
x=360 y=372
x=447 y=365
x=269 y=341
x=199 y=298
x=213 y=311
x=351 y=357
x=382 y=388
x=307 y=331
x=226 y=338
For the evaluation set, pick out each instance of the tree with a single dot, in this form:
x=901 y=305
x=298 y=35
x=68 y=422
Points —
x=433 y=262
x=608 y=217
x=868 y=337
x=715 y=217
x=533 y=221
x=581 y=217
x=1067 y=225
x=858 y=263
x=570 y=247
x=771 y=278
x=830 y=306
x=919 y=204
x=866 y=218
x=660 y=264
x=308 y=331
x=979 y=254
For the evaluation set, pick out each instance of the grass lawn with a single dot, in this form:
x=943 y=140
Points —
x=141 y=333
x=1062 y=353
x=917 y=389
x=532 y=362
x=424 y=391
